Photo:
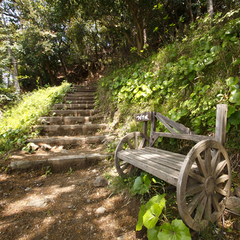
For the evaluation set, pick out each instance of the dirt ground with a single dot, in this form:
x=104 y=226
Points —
x=39 y=204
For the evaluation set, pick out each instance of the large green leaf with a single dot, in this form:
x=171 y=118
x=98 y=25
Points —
x=177 y=231
x=140 y=218
x=152 y=233
x=141 y=185
x=232 y=81
x=234 y=118
x=156 y=199
x=235 y=97
x=150 y=218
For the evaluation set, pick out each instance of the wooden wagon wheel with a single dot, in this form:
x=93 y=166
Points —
x=134 y=140
x=204 y=184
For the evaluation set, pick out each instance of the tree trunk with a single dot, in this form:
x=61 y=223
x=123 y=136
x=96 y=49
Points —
x=210 y=8
x=15 y=75
x=189 y=3
x=51 y=76
x=63 y=65
x=14 y=61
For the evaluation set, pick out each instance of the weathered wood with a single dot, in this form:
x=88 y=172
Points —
x=195 y=138
x=153 y=128
x=178 y=126
x=198 y=204
x=202 y=177
x=160 y=171
x=221 y=123
x=142 y=117
x=122 y=171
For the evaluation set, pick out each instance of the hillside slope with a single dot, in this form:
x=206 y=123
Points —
x=185 y=80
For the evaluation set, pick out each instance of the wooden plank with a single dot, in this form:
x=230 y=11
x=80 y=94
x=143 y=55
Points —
x=159 y=159
x=164 y=159
x=164 y=173
x=221 y=123
x=160 y=118
x=178 y=126
x=160 y=151
x=195 y=138
x=142 y=117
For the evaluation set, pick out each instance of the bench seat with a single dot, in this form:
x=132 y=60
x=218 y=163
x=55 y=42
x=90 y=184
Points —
x=160 y=163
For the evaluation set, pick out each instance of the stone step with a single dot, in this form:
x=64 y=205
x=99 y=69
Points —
x=70 y=130
x=73 y=98
x=80 y=94
x=73 y=112
x=81 y=102
x=68 y=120
x=61 y=163
x=66 y=106
x=74 y=141
x=83 y=89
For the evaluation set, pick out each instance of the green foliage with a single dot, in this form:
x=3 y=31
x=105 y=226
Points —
x=48 y=171
x=149 y=216
x=16 y=124
x=185 y=80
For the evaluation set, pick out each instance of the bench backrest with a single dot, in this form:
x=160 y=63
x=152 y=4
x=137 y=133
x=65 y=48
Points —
x=178 y=130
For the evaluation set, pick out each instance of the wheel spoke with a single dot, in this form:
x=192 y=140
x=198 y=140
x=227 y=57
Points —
x=215 y=161
x=196 y=177
x=136 y=142
x=221 y=191
x=222 y=179
x=194 y=189
x=125 y=166
x=219 y=168
x=208 y=210
x=208 y=158
x=195 y=201
x=200 y=209
x=130 y=145
x=201 y=166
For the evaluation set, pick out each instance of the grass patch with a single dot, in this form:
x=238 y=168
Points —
x=16 y=124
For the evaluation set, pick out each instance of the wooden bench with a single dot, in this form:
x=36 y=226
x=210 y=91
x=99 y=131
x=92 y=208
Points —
x=202 y=177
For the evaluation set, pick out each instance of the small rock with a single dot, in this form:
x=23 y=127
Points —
x=233 y=204
x=34 y=146
x=100 y=182
x=45 y=122
x=46 y=147
x=101 y=210
x=88 y=200
x=20 y=164
x=39 y=203
x=64 y=151
x=28 y=189
x=237 y=191
x=121 y=237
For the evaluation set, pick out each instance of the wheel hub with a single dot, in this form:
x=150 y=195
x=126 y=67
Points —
x=209 y=185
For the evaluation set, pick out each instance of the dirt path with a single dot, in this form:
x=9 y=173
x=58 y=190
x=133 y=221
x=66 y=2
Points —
x=40 y=205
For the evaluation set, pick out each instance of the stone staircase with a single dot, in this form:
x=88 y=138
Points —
x=75 y=127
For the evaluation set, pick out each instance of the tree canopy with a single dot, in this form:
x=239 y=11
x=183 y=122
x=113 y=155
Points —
x=43 y=42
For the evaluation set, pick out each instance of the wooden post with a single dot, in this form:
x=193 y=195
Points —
x=221 y=123
x=153 y=127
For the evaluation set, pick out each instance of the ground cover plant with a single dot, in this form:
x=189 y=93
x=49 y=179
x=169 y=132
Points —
x=185 y=80
x=17 y=121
